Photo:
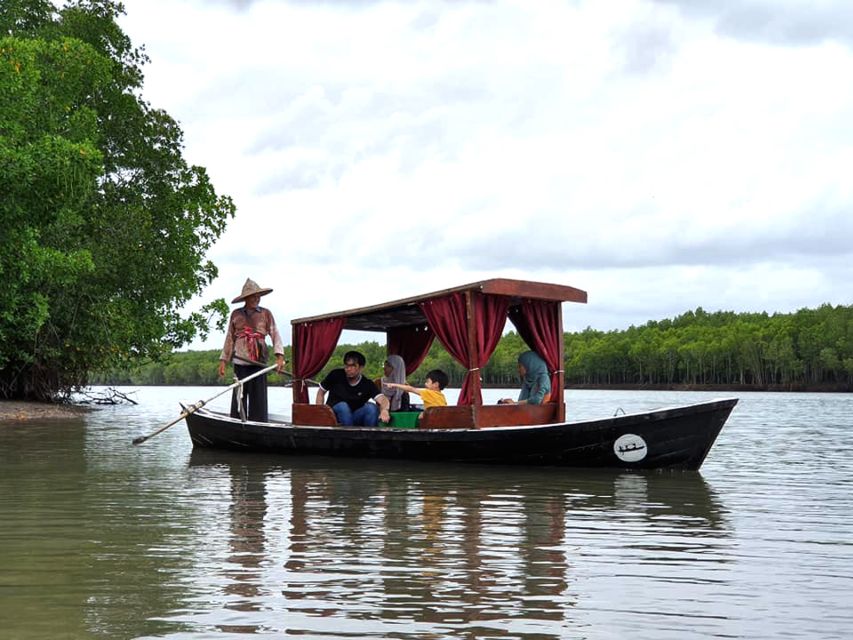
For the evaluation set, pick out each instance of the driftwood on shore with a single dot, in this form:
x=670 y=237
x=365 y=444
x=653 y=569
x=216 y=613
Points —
x=108 y=396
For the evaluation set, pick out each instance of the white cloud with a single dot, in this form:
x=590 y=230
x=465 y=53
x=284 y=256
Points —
x=662 y=155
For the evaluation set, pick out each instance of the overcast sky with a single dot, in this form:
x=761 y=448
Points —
x=660 y=154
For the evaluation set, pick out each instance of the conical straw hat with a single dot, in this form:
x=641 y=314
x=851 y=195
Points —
x=249 y=289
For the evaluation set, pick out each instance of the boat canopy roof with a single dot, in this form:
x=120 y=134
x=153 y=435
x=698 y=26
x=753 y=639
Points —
x=408 y=312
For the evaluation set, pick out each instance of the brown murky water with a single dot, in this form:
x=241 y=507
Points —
x=99 y=539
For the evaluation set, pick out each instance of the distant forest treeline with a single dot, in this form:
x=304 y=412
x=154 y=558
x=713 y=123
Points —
x=808 y=349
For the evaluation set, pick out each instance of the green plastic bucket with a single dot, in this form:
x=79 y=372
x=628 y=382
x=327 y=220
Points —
x=405 y=419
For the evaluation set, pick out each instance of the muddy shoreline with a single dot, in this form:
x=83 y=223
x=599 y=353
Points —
x=20 y=411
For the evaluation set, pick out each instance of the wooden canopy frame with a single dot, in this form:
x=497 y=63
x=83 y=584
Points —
x=407 y=313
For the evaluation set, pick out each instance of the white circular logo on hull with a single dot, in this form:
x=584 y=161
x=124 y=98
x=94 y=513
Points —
x=630 y=448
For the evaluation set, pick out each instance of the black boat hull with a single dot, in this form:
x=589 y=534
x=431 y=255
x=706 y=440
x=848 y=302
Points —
x=667 y=438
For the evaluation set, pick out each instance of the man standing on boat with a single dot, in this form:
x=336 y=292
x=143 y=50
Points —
x=350 y=392
x=246 y=348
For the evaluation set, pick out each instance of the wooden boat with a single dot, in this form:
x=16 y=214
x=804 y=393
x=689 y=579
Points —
x=469 y=321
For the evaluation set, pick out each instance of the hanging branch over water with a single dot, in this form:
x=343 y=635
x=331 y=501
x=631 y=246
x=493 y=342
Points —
x=109 y=396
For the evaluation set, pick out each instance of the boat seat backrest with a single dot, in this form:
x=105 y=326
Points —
x=319 y=415
x=501 y=415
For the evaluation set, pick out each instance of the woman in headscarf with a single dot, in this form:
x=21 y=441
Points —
x=395 y=371
x=535 y=381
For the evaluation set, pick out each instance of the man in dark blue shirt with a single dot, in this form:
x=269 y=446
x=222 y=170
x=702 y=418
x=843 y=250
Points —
x=350 y=394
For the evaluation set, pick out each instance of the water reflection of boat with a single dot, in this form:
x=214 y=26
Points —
x=439 y=543
x=686 y=494
x=468 y=321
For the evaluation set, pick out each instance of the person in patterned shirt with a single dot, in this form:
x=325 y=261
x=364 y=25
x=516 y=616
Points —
x=246 y=349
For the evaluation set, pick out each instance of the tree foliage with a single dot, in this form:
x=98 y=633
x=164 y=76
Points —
x=105 y=225
x=812 y=348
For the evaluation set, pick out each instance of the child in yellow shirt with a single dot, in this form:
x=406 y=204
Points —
x=431 y=394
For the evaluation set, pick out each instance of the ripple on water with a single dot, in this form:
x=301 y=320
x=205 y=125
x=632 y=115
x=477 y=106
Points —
x=99 y=538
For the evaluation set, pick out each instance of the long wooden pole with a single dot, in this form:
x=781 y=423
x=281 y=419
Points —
x=198 y=405
x=561 y=376
x=311 y=380
x=474 y=383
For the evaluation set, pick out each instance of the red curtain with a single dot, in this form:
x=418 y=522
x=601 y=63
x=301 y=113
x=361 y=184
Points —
x=490 y=312
x=448 y=318
x=313 y=345
x=538 y=324
x=410 y=343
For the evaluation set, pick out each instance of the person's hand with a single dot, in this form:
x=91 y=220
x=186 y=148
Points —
x=384 y=416
x=279 y=363
x=506 y=401
x=221 y=368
